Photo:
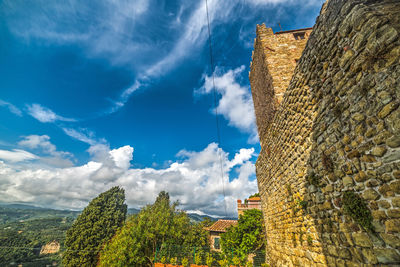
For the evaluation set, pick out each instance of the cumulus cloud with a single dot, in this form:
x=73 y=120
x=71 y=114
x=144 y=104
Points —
x=42 y=144
x=236 y=104
x=11 y=108
x=194 y=179
x=44 y=114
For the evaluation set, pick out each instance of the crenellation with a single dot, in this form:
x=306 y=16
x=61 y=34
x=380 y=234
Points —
x=329 y=129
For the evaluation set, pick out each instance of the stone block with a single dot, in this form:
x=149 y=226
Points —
x=392 y=226
x=370 y=256
x=387 y=256
x=362 y=240
x=370 y=194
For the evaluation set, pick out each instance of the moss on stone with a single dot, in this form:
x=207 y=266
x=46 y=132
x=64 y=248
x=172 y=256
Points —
x=314 y=179
x=357 y=209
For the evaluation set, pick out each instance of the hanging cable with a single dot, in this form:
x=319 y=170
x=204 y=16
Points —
x=216 y=107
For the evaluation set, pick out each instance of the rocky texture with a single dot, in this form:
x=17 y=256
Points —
x=337 y=129
x=50 y=248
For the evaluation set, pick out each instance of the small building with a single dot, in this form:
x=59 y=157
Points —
x=216 y=229
x=251 y=203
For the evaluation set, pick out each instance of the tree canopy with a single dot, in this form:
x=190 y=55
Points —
x=97 y=223
x=247 y=236
x=156 y=229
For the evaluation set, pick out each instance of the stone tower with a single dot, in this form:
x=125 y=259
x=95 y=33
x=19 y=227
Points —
x=274 y=59
x=328 y=119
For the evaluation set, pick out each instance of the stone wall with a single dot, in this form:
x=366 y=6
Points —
x=329 y=167
x=274 y=58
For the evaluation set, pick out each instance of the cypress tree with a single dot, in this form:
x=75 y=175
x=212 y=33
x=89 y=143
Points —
x=97 y=223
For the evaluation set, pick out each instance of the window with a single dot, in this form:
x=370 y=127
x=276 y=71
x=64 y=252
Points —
x=299 y=35
x=216 y=243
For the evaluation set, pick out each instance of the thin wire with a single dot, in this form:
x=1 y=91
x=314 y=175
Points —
x=216 y=108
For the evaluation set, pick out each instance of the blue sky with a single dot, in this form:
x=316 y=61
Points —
x=115 y=92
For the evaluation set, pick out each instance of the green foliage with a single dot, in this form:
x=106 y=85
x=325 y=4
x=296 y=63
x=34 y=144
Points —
x=246 y=237
x=314 y=179
x=185 y=262
x=173 y=261
x=309 y=240
x=209 y=259
x=236 y=260
x=249 y=264
x=357 y=209
x=198 y=260
x=25 y=229
x=11 y=240
x=158 y=227
x=163 y=259
x=224 y=262
x=97 y=223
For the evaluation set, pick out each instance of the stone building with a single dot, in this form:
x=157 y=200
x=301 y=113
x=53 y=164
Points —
x=251 y=203
x=216 y=229
x=329 y=126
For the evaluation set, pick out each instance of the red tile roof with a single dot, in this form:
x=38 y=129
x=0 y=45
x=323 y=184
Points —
x=221 y=225
x=254 y=199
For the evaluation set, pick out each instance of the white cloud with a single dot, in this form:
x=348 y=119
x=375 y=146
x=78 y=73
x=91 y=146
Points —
x=44 y=114
x=236 y=104
x=36 y=141
x=11 y=108
x=195 y=34
x=84 y=135
x=52 y=157
x=16 y=155
x=104 y=29
x=122 y=156
x=195 y=180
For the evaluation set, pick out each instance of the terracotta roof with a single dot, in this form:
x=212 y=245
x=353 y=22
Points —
x=221 y=225
x=254 y=199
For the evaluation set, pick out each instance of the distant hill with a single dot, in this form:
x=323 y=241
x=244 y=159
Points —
x=24 y=225
x=23 y=212
x=17 y=211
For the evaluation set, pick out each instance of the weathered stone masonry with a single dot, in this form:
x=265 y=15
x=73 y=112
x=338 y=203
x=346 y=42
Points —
x=336 y=130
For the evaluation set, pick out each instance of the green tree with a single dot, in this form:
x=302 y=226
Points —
x=247 y=236
x=97 y=223
x=157 y=228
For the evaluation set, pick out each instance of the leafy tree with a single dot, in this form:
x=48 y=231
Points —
x=247 y=236
x=157 y=228
x=97 y=223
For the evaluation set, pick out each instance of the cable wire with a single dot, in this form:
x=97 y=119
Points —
x=216 y=107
